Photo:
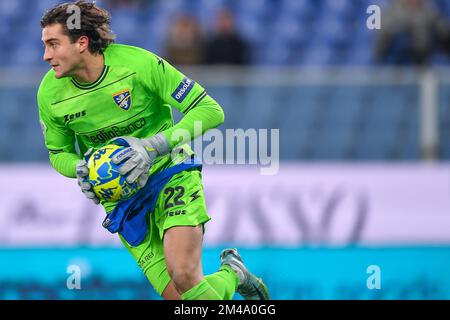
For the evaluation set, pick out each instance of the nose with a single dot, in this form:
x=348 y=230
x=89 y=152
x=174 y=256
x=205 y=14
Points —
x=47 y=55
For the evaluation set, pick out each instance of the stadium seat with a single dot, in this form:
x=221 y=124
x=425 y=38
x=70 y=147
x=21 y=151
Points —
x=290 y=29
x=359 y=56
x=275 y=52
x=340 y=9
x=320 y=54
x=27 y=54
x=252 y=29
x=302 y=9
x=293 y=21
x=257 y=8
x=332 y=31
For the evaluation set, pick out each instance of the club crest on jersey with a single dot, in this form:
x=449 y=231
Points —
x=123 y=99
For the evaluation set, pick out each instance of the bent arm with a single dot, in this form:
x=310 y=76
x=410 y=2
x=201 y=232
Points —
x=59 y=140
x=206 y=115
x=65 y=163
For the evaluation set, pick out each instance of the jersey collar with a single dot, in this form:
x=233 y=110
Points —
x=86 y=86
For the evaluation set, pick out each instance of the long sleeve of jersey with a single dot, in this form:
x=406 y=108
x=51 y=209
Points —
x=65 y=163
x=208 y=113
x=59 y=141
x=189 y=97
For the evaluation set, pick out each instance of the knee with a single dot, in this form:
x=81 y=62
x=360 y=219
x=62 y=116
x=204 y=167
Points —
x=185 y=278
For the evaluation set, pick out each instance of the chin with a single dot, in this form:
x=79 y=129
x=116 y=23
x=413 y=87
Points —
x=59 y=75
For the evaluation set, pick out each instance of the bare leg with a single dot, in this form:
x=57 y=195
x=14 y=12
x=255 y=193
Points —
x=171 y=293
x=183 y=253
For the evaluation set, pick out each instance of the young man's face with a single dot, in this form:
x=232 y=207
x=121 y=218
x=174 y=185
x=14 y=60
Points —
x=63 y=55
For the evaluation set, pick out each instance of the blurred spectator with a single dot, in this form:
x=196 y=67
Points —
x=185 y=43
x=226 y=46
x=410 y=32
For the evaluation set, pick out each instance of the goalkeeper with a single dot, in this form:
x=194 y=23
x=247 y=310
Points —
x=98 y=91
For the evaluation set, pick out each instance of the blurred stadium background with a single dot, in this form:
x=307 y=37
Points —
x=364 y=173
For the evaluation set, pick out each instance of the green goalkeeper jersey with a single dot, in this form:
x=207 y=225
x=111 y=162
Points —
x=132 y=97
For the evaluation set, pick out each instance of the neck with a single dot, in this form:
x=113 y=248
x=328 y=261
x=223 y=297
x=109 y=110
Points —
x=91 y=69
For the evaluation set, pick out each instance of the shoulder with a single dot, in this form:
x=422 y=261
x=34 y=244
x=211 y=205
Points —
x=46 y=81
x=49 y=86
x=120 y=54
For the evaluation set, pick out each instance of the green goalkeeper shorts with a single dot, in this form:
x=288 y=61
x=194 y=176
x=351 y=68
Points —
x=180 y=203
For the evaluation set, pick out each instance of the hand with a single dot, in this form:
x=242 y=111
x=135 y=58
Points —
x=83 y=182
x=141 y=154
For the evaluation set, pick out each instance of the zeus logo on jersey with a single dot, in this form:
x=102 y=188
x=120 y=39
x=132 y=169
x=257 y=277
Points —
x=70 y=117
x=183 y=89
x=123 y=99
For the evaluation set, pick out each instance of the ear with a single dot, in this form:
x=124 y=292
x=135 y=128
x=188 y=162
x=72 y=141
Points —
x=83 y=43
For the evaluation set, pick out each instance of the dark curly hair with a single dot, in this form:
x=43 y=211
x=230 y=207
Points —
x=95 y=24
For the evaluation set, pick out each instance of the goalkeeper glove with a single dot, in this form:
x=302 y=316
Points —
x=83 y=182
x=141 y=154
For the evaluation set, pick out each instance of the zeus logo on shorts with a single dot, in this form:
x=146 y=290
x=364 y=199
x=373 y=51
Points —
x=183 y=89
x=176 y=213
